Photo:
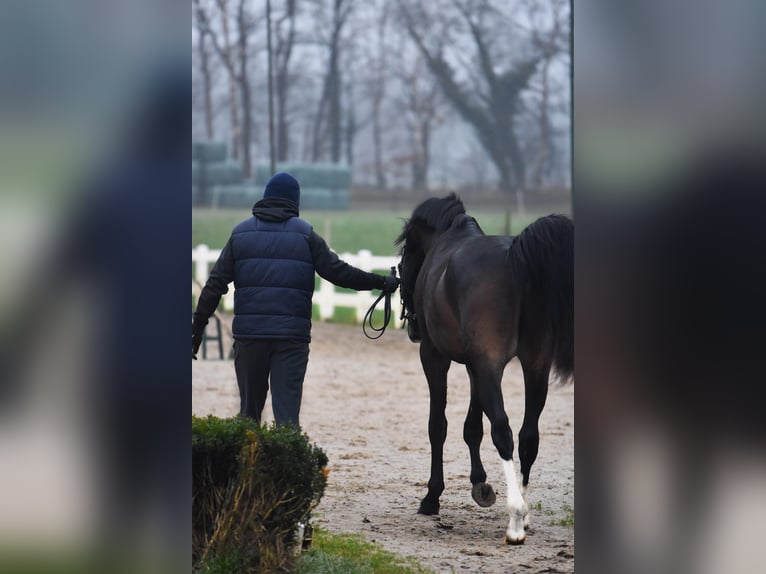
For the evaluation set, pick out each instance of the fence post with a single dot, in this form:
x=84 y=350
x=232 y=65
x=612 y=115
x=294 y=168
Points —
x=201 y=258
x=325 y=299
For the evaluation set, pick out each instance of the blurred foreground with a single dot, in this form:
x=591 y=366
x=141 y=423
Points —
x=94 y=180
x=669 y=205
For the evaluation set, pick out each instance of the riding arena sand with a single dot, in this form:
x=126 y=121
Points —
x=365 y=403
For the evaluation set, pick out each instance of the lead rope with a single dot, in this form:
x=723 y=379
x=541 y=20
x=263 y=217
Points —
x=386 y=314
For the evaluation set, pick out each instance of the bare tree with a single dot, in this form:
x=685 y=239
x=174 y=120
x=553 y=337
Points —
x=234 y=56
x=351 y=124
x=549 y=32
x=486 y=94
x=284 y=37
x=423 y=107
x=202 y=11
x=204 y=68
x=328 y=119
x=377 y=91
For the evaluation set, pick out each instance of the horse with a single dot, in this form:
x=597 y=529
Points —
x=481 y=300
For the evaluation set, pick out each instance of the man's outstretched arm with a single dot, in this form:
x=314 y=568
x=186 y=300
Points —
x=334 y=269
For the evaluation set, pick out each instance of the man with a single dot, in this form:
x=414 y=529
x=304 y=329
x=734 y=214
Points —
x=271 y=258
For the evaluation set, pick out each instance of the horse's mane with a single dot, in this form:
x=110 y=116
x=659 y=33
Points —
x=438 y=213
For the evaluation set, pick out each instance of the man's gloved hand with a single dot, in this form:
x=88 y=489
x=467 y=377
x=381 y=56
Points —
x=198 y=328
x=390 y=283
x=196 y=342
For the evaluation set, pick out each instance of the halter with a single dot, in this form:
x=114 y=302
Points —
x=406 y=315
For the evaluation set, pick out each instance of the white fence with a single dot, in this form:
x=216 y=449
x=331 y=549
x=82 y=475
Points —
x=325 y=297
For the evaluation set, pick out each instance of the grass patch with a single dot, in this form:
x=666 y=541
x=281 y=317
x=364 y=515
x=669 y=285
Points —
x=351 y=554
x=538 y=507
x=349 y=231
x=567 y=520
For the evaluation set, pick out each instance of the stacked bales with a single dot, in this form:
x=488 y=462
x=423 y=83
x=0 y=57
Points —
x=324 y=186
x=208 y=152
x=218 y=181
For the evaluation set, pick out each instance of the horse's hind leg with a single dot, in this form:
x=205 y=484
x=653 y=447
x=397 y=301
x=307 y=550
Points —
x=435 y=366
x=535 y=391
x=473 y=432
x=491 y=396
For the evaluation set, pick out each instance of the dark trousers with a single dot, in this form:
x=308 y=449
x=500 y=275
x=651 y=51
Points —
x=257 y=361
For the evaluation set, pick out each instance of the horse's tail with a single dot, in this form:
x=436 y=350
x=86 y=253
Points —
x=543 y=257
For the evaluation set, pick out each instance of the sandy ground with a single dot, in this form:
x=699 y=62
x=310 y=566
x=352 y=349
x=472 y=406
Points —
x=366 y=404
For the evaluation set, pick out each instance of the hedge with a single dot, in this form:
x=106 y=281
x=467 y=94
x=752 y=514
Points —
x=251 y=486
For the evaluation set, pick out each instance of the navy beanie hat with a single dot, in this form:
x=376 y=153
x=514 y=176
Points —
x=285 y=186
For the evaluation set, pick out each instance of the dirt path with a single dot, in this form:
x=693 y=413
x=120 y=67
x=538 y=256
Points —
x=366 y=404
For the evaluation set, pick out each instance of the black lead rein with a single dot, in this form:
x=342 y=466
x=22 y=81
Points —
x=386 y=314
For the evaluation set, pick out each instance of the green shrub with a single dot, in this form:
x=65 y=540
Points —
x=251 y=485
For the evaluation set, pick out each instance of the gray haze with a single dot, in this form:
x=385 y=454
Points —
x=356 y=83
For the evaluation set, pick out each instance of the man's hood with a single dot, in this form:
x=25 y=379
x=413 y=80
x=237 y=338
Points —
x=275 y=209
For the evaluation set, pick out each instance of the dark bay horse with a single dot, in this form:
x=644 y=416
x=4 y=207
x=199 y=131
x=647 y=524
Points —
x=481 y=300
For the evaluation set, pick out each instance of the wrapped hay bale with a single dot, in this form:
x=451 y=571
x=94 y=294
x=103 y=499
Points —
x=223 y=173
x=207 y=151
x=238 y=196
x=324 y=186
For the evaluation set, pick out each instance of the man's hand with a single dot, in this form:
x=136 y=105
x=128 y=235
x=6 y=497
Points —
x=196 y=342
x=390 y=283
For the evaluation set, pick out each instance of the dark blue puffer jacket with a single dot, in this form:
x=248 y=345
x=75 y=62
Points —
x=273 y=279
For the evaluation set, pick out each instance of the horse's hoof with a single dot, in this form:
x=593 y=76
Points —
x=428 y=508
x=515 y=541
x=483 y=494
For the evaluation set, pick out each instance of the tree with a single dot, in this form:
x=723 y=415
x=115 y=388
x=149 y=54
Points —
x=378 y=91
x=204 y=68
x=487 y=92
x=234 y=56
x=328 y=120
x=421 y=101
x=284 y=37
x=548 y=29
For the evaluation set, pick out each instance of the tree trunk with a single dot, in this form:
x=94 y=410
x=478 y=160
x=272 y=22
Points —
x=233 y=101
x=244 y=82
x=207 y=86
x=544 y=148
x=350 y=125
x=423 y=157
x=317 y=146
x=283 y=136
x=377 y=141
x=334 y=111
x=283 y=54
x=330 y=102
x=246 y=128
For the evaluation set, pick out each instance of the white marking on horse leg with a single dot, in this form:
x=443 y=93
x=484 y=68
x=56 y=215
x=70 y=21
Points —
x=516 y=506
x=524 y=491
